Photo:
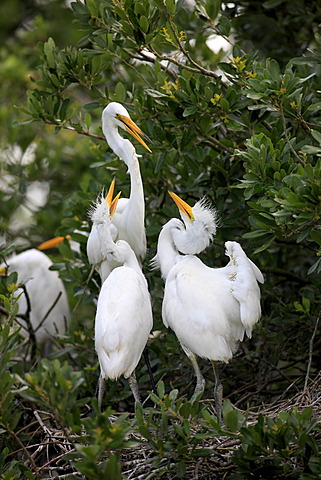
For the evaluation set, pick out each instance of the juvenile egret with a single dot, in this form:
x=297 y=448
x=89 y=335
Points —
x=44 y=297
x=129 y=219
x=209 y=309
x=94 y=254
x=124 y=314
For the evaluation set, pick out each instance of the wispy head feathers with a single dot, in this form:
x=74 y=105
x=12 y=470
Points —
x=199 y=233
x=99 y=211
x=205 y=213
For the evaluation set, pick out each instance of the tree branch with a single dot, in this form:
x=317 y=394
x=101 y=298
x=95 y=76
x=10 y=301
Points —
x=311 y=351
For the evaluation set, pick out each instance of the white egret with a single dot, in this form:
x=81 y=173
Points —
x=124 y=314
x=209 y=309
x=129 y=219
x=43 y=298
x=94 y=254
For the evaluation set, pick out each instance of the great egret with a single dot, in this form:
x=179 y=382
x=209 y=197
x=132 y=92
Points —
x=124 y=314
x=44 y=297
x=94 y=254
x=209 y=309
x=129 y=219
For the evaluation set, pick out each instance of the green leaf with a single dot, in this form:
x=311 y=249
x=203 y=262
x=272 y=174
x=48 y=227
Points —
x=87 y=120
x=316 y=236
x=160 y=389
x=143 y=23
x=224 y=104
x=189 y=111
x=265 y=245
x=311 y=149
x=170 y=6
x=316 y=135
x=272 y=3
x=213 y=8
x=120 y=93
x=224 y=26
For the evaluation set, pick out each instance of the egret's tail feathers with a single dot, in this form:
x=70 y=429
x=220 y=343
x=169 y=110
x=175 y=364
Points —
x=244 y=276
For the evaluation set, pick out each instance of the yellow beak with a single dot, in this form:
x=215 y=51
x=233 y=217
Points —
x=134 y=130
x=109 y=197
x=183 y=206
x=112 y=203
x=52 y=243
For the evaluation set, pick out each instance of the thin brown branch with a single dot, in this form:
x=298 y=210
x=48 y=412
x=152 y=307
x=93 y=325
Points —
x=198 y=67
x=73 y=129
x=142 y=57
x=48 y=312
x=311 y=351
x=29 y=457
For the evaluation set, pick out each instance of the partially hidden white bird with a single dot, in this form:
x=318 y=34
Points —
x=124 y=314
x=128 y=222
x=209 y=309
x=95 y=257
x=43 y=299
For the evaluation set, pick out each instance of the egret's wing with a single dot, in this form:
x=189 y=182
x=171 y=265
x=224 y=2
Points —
x=244 y=275
x=93 y=247
x=123 y=322
x=198 y=306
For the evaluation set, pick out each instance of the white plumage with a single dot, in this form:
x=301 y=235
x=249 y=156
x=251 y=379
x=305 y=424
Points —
x=49 y=314
x=209 y=309
x=124 y=314
x=128 y=223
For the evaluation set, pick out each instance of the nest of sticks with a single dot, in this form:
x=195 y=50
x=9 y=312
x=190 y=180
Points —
x=45 y=453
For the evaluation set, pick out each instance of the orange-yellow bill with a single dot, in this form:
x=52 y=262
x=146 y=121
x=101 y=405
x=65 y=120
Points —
x=134 y=130
x=183 y=206
x=52 y=243
x=109 y=197
x=113 y=205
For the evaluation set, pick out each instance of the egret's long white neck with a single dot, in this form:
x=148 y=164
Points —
x=167 y=252
x=124 y=149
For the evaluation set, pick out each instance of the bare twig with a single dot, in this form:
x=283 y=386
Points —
x=198 y=68
x=49 y=311
x=311 y=351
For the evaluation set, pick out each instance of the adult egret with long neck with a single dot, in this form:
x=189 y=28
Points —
x=124 y=314
x=209 y=309
x=129 y=219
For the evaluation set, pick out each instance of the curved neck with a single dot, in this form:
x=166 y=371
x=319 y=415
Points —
x=167 y=253
x=125 y=150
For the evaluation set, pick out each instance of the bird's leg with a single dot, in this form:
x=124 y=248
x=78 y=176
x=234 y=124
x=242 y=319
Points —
x=200 y=380
x=218 y=393
x=101 y=390
x=134 y=387
x=149 y=369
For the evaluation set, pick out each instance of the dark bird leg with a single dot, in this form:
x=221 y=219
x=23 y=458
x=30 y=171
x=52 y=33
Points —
x=149 y=369
x=218 y=393
x=101 y=390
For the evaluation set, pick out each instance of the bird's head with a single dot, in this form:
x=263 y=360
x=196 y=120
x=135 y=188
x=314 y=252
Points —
x=200 y=223
x=105 y=206
x=116 y=115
